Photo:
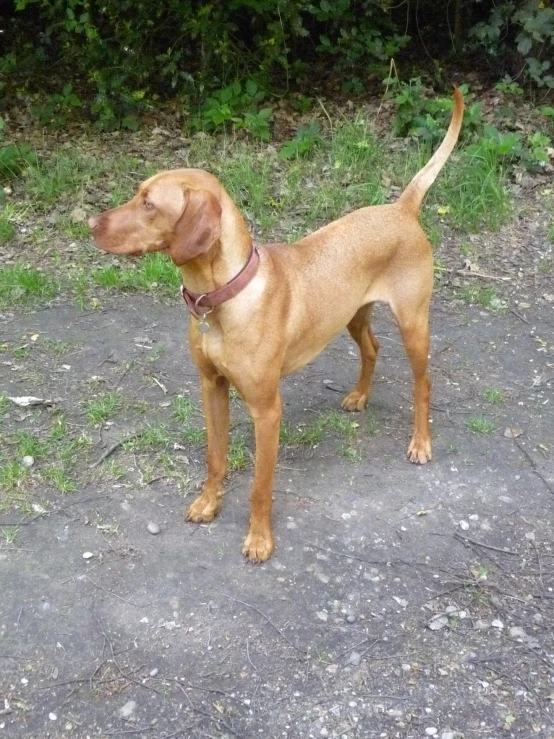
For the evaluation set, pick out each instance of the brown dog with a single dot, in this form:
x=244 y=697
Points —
x=260 y=314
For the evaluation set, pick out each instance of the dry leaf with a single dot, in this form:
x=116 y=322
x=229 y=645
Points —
x=512 y=433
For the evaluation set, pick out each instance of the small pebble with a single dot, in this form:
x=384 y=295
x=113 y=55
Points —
x=497 y=624
x=355 y=659
x=153 y=528
x=324 y=732
x=52 y=716
x=431 y=731
x=127 y=709
x=464 y=525
x=87 y=555
x=482 y=625
x=351 y=618
x=517 y=632
x=447 y=735
x=153 y=672
x=28 y=461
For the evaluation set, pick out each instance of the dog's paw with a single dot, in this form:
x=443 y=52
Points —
x=355 y=401
x=419 y=451
x=203 y=509
x=258 y=547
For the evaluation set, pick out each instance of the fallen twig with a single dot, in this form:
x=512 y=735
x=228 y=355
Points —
x=115 y=446
x=269 y=621
x=464 y=538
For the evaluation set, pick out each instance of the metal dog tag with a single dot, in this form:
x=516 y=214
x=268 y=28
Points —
x=203 y=325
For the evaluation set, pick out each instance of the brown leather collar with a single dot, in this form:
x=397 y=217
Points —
x=197 y=302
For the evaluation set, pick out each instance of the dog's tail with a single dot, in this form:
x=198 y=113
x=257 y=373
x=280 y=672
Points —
x=413 y=195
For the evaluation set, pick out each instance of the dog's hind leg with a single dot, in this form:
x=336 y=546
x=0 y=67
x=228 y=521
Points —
x=360 y=330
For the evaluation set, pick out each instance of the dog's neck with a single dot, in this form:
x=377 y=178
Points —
x=226 y=256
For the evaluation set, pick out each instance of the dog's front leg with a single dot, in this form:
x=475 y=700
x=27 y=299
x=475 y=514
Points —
x=215 y=396
x=266 y=413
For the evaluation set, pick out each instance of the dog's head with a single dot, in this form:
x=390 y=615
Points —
x=178 y=212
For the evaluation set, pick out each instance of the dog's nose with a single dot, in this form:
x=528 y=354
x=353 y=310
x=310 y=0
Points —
x=93 y=222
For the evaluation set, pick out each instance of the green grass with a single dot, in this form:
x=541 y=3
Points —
x=155 y=436
x=351 y=453
x=70 y=451
x=23 y=284
x=487 y=297
x=21 y=352
x=30 y=445
x=12 y=475
x=9 y=534
x=7 y=230
x=340 y=423
x=151 y=271
x=104 y=408
x=194 y=435
x=73 y=229
x=298 y=435
x=494 y=396
x=183 y=408
x=60 y=428
x=58 y=476
x=58 y=348
x=480 y=426
x=69 y=172
x=238 y=456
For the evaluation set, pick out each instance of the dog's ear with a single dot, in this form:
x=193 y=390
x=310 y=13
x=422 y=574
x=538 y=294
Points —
x=197 y=228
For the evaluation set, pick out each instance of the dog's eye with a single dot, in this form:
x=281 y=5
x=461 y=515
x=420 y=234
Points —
x=148 y=205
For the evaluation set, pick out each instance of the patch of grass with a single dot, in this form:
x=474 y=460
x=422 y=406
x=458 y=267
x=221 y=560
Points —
x=74 y=229
x=481 y=426
x=60 y=428
x=238 y=456
x=58 y=348
x=21 y=352
x=102 y=409
x=70 y=450
x=20 y=284
x=194 y=435
x=494 y=396
x=484 y=296
x=68 y=171
x=154 y=436
x=249 y=178
x=351 y=453
x=300 y=435
x=339 y=423
x=29 y=445
x=114 y=469
x=372 y=424
x=4 y=403
x=470 y=192
x=151 y=271
x=57 y=475
x=9 y=534
x=182 y=408
x=12 y=475
x=7 y=230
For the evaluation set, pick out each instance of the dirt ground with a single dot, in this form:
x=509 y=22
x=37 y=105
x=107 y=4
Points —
x=401 y=601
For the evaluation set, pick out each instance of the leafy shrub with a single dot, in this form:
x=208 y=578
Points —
x=237 y=104
x=307 y=138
